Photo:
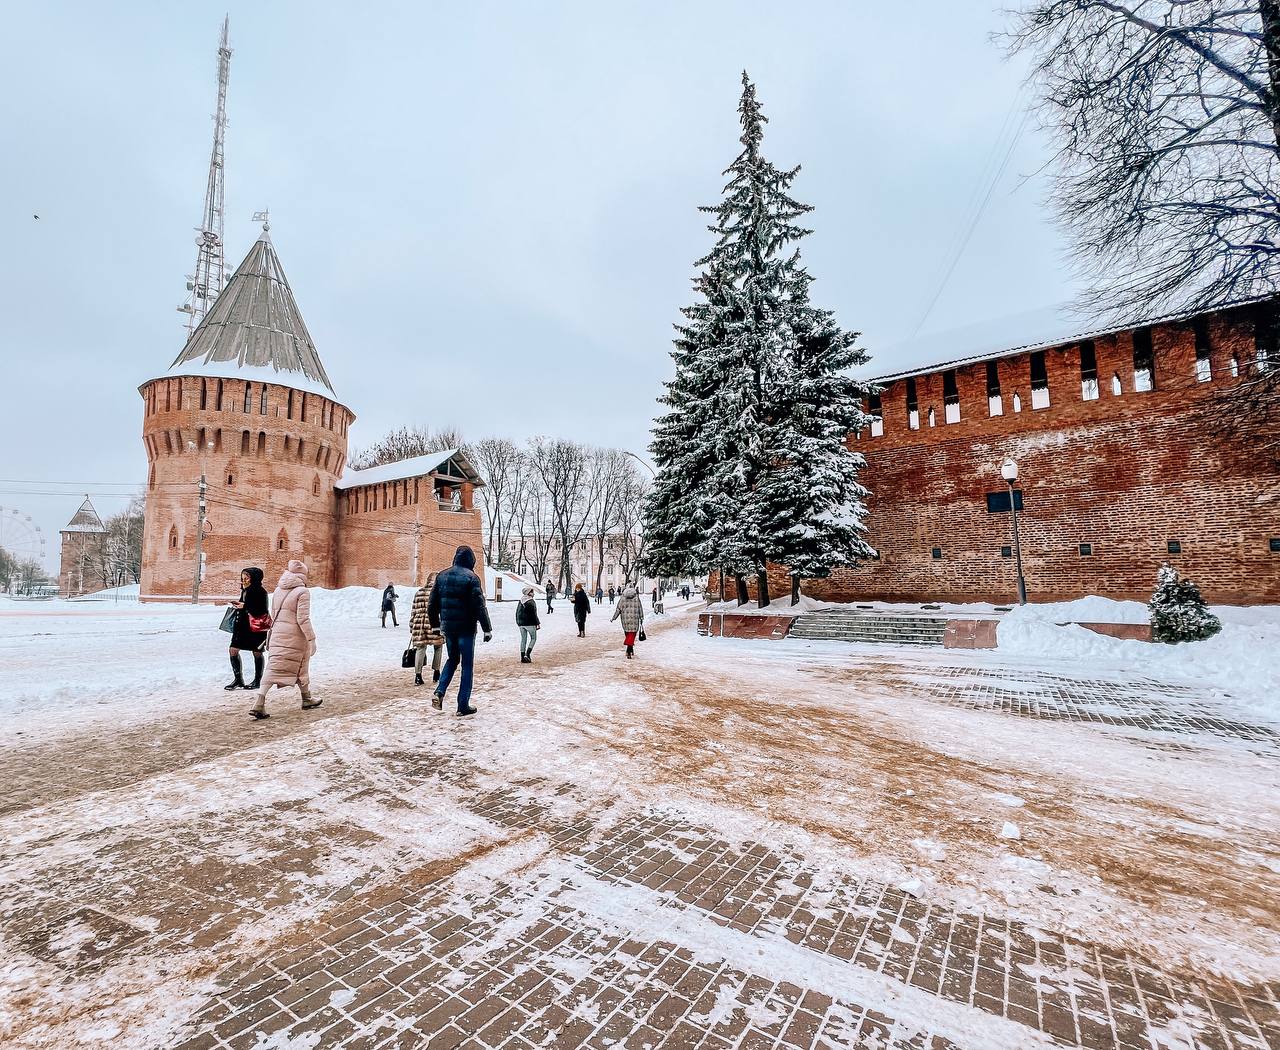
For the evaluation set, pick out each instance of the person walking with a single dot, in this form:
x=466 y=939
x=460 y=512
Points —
x=612 y=593
x=252 y=609
x=551 y=593
x=389 y=597
x=528 y=622
x=422 y=635
x=581 y=608
x=293 y=640
x=632 y=614
x=456 y=607
x=599 y=594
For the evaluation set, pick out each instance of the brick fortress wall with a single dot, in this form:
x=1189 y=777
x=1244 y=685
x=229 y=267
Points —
x=276 y=455
x=1126 y=474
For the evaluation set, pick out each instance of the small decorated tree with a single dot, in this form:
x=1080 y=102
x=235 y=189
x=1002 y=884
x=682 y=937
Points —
x=1178 y=612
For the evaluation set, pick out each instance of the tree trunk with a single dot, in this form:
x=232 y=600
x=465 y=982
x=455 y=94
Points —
x=762 y=588
x=1270 y=11
x=795 y=589
x=741 y=582
x=721 y=575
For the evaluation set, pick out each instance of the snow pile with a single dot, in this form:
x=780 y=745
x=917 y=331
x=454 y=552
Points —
x=778 y=607
x=127 y=593
x=1240 y=661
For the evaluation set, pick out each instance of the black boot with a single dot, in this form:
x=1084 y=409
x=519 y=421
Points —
x=238 y=668
x=630 y=652
x=435 y=675
x=259 y=662
x=417 y=679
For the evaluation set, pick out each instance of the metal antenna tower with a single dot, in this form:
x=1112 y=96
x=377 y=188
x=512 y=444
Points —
x=210 y=274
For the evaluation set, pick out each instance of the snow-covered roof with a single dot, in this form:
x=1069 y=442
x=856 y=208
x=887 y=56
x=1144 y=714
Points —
x=85 y=519
x=1018 y=333
x=255 y=331
x=414 y=467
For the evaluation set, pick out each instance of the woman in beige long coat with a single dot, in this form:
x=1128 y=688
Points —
x=422 y=635
x=292 y=642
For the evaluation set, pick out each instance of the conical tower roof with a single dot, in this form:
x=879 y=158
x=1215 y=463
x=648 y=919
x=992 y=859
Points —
x=85 y=519
x=255 y=330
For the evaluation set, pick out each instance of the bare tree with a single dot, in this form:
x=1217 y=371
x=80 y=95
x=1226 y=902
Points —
x=631 y=525
x=562 y=468
x=531 y=521
x=500 y=464
x=609 y=471
x=1167 y=114
x=405 y=443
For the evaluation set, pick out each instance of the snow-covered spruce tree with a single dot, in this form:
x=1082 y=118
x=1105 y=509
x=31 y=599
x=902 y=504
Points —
x=1178 y=612
x=811 y=502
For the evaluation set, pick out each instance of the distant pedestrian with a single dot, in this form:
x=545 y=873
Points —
x=631 y=613
x=612 y=594
x=457 y=607
x=389 y=597
x=250 y=630
x=528 y=622
x=551 y=593
x=292 y=642
x=599 y=594
x=581 y=607
x=422 y=636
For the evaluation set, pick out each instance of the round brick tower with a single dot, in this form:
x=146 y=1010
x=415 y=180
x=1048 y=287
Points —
x=248 y=405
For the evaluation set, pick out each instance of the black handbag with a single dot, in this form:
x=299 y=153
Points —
x=641 y=636
x=409 y=657
x=228 y=620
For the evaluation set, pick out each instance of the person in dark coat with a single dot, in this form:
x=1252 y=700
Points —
x=581 y=607
x=457 y=607
x=599 y=594
x=253 y=602
x=389 y=597
x=528 y=622
x=551 y=593
x=612 y=592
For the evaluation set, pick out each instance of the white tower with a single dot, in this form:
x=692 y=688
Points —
x=204 y=285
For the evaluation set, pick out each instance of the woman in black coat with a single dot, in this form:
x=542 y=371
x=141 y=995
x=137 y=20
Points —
x=254 y=602
x=581 y=607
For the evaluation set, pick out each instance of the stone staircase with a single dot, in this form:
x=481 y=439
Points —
x=850 y=626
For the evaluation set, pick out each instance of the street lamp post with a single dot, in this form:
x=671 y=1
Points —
x=1009 y=471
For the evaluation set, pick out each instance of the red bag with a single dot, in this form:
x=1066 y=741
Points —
x=260 y=623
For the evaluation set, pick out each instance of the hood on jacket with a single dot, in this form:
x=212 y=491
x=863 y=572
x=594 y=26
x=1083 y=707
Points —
x=630 y=592
x=294 y=576
x=527 y=592
x=465 y=557
x=255 y=575
x=298 y=567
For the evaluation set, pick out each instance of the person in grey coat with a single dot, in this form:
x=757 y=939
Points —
x=631 y=612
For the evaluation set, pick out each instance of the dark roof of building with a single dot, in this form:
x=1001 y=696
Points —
x=254 y=329
x=85 y=519
x=1058 y=326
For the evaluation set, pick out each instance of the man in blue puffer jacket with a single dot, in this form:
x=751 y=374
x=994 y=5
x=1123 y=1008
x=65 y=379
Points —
x=456 y=607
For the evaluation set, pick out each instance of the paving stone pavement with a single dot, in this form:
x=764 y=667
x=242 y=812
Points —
x=605 y=927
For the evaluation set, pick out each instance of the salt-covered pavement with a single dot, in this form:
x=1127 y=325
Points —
x=721 y=843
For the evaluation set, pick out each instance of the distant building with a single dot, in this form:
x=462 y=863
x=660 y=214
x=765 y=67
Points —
x=1123 y=463
x=248 y=405
x=83 y=539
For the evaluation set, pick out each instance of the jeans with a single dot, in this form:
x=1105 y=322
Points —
x=528 y=636
x=461 y=647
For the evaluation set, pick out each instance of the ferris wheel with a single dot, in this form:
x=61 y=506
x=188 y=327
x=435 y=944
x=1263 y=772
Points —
x=21 y=536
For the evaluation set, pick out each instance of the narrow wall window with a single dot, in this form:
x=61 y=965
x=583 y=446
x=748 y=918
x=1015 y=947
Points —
x=1204 y=364
x=913 y=406
x=248 y=398
x=168 y=443
x=288 y=411
x=217 y=404
x=875 y=410
x=1266 y=350
x=1144 y=362
x=1088 y=372
x=315 y=485
x=1116 y=389
x=1234 y=366
x=300 y=449
x=1039 y=381
x=302 y=409
x=1017 y=401
x=950 y=397
x=151 y=479
x=204 y=394
x=262 y=402
x=231 y=480
x=168 y=396
x=282 y=541
x=995 y=403
x=286 y=444
x=173 y=537
x=217 y=440
x=933 y=421
x=179 y=399
x=262 y=444
x=244 y=442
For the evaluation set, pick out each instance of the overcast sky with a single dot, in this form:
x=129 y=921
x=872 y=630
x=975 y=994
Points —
x=487 y=211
